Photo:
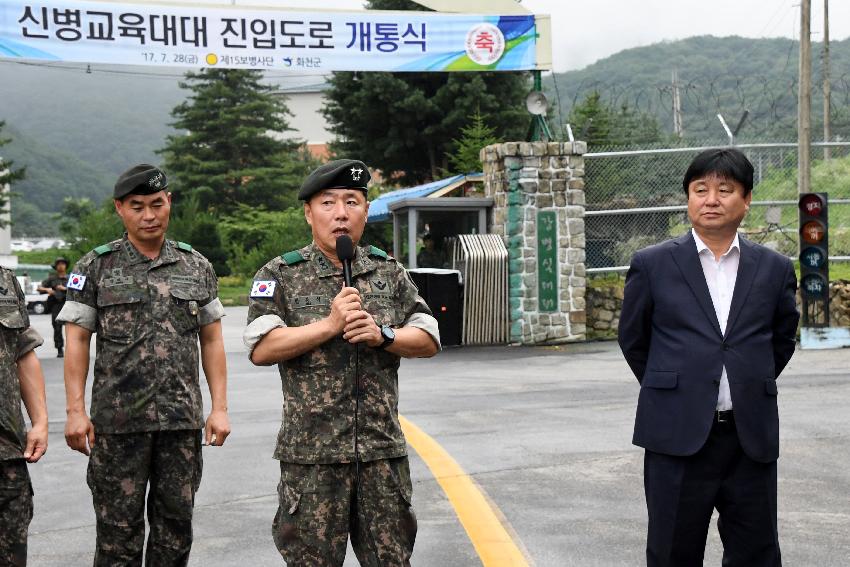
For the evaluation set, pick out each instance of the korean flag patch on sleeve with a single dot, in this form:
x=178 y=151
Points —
x=76 y=281
x=262 y=288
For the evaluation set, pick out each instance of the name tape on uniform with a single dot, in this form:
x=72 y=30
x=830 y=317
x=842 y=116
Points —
x=263 y=288
x=76 y=281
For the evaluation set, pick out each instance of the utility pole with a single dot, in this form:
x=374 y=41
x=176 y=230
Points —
x=827 y=103
x=677 y=107
x=804 y=101
x=6 y=257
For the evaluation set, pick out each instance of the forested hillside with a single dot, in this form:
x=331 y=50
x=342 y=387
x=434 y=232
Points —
x=716 y=75
x=75 y=131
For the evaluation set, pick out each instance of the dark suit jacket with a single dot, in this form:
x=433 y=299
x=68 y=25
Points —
x=671 y=339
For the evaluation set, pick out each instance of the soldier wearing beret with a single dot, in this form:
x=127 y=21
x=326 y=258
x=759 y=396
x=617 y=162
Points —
x=149 y=300
x=20 y=379
x=55 y=287
x=343 y=457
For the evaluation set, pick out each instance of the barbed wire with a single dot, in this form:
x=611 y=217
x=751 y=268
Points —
x=771 y=101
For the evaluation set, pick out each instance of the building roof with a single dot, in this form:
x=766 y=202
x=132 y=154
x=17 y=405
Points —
x=379 y=208
x=302 y=85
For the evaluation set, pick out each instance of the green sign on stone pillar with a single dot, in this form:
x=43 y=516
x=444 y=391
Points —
x=547 y=261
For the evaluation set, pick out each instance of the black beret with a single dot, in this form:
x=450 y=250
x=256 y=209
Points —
x=340 y=173
x=143 y=179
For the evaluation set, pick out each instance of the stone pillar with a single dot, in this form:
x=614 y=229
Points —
x=538 y=193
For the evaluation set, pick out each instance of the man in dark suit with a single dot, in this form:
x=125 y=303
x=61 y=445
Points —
x=707 y=325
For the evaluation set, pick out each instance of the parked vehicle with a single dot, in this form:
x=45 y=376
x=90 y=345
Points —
x=20 y=246
x=37 y=303
x=48 y=243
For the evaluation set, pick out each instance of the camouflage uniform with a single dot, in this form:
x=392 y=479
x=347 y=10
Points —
x=319 y=502
x=430 y=259
x=146 y=400
x=17 y=338
x=56 y=302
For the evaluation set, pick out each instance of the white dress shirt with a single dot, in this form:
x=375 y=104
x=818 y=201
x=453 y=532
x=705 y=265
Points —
x=720 y=275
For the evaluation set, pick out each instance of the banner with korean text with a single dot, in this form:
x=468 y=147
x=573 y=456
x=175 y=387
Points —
x=264 y=38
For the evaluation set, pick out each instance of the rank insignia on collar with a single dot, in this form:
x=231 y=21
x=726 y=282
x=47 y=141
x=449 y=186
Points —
x=76 y=281
x=263 y=288
x=382 y=285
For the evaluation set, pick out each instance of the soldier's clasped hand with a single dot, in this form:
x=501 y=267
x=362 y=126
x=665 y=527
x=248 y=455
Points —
x=346 y=301
x=360 y=327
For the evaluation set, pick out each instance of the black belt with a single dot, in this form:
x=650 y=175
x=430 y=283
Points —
x=724 y=416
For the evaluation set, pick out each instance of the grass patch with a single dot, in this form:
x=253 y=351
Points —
x=45 y=257
x=606 y=279
x=234 y=290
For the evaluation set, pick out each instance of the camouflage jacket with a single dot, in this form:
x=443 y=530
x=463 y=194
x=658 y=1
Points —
x=319 y=403
x=52 y=282
x=147 y=314
x=16 y=339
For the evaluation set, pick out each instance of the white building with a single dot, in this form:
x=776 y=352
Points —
x=305 y=102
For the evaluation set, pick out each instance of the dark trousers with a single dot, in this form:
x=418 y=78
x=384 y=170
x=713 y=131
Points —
x=682 y=492
x=15 y=512
x=58 y=340
x=122 y=467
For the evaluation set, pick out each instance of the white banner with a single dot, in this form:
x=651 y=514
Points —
x=252 y=38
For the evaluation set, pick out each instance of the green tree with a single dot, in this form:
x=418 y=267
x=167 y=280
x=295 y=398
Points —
x=189 y=224
x=29 y=220
x=611 y=183
x=85 y=225
x=600 y=124
x=590 y=120
x=225 y=153
x=465 y=157
x=404 y=123
x=7 y=176
x=253 y=235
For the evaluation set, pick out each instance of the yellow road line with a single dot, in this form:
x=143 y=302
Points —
x=480 y=519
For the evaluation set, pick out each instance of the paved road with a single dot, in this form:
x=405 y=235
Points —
x=544 y=431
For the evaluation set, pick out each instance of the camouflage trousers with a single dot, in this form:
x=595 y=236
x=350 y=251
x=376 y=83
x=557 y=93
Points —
x=58 y=339
x=319 y=506
x=15 y=512
x=121 y=468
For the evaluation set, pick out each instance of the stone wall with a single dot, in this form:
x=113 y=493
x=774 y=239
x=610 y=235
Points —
x=839 y=303
x=605 y=301
x=525 y=179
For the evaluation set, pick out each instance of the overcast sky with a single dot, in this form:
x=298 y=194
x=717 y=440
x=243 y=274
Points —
x=588 y=30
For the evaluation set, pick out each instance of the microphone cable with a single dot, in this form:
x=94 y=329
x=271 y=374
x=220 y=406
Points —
x=345 y=253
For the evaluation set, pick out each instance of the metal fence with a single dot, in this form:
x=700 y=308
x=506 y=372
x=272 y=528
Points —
x=635 y=199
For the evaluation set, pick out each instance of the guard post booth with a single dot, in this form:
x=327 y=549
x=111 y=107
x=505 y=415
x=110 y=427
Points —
x=452 y=212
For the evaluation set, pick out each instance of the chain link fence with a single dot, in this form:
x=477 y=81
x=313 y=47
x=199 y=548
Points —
x=635 y=199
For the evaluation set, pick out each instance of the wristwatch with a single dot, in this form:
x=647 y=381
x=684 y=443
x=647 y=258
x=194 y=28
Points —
x=388 y=335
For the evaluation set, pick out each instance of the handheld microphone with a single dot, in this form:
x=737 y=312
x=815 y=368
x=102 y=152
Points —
x=345 y=253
